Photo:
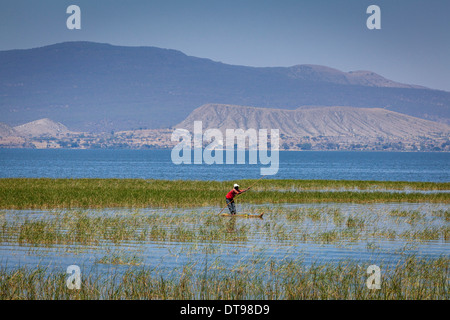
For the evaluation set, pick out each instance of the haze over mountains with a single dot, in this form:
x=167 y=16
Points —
x=96 y=87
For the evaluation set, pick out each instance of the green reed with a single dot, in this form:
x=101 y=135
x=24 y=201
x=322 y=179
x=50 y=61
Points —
x=121 y=259
x=85 y=227
x=100 y=193
x=255 y=278
x=281 y=223
x=412 y=278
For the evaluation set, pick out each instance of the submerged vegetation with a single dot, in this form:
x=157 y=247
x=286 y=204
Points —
x=165 y=239
x=26 y=193
x=413 y=278
x=81 y=227
x=202 y=239
x=307 y=223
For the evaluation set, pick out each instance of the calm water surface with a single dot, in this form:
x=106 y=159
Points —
x=157 y=164
x=260 y=244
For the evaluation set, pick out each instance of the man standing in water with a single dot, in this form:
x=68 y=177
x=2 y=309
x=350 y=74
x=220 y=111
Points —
x=230 y=196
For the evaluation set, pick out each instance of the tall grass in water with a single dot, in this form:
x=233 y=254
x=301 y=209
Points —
x=100 y=193
x=85 y=227
x=280 y=223
x=412 y=279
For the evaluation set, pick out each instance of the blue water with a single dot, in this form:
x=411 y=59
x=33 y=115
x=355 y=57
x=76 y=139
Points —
x=157 y=164
x=262 y=242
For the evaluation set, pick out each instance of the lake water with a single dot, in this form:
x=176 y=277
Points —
x=276 y=236
x=157 y=164
x=288 y=231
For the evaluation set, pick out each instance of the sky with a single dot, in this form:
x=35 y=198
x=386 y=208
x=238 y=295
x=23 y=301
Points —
x=412 y=46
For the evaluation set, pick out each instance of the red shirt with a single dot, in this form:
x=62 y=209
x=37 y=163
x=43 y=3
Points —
x=232 y=193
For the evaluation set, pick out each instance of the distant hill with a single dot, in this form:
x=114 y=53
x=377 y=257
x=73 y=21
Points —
x=318 y=73
x=305 y=128
x=342 y=122
x=99 y=87
x=6 y=130
x=42 y=127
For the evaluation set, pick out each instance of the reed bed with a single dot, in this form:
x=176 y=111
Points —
x=412 y=278
x=442 y=213
x=101 y=193
x=85 y=227
x=121 y=259
x=117 y=236
x=322 y=224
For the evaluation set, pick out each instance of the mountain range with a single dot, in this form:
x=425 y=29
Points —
x=342 y=122
x=95 y=87
x=305 y=128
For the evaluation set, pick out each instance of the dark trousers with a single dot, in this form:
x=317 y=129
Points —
x=231 y=206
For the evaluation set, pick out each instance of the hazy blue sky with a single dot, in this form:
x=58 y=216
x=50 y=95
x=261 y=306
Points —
x=413 y=45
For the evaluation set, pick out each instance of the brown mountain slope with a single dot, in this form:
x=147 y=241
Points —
x=317 y=121
x=42 y=127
